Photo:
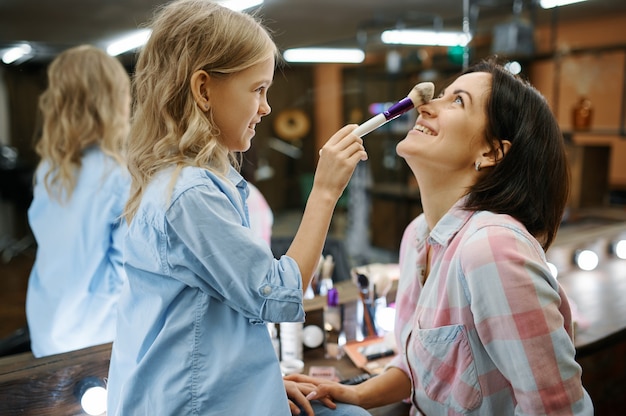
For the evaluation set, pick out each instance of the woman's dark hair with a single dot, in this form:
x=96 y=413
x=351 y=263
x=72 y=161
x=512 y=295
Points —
x=531 y=182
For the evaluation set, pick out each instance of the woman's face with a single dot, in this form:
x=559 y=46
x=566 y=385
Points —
x=449 y=134
x=239 y=101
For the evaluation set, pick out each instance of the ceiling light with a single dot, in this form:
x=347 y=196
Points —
x=16 y=53
x=513 y=67
x=140 y=37
x=128 y=43
x=425 y=37
x=548 y=4
x=324 y=55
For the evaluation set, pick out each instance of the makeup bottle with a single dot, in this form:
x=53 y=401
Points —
x=333 y=326
x=291 y=347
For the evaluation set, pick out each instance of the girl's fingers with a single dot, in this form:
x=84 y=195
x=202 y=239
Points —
x=345 y=150
x=341 y=139
x=295 y=410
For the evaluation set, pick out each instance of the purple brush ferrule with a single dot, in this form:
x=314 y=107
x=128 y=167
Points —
x=398 y=108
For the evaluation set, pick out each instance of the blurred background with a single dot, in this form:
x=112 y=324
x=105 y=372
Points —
x=574 y=54
x=570 y=53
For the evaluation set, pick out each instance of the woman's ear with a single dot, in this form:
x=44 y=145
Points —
x=200 y=89
x=505 y=145
x=493 y=156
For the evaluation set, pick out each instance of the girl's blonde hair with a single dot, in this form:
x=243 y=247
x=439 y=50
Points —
x=86 y=103
x=168 y=128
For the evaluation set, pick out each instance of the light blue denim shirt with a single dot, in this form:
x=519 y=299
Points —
x=77 y=275
x=192 y=338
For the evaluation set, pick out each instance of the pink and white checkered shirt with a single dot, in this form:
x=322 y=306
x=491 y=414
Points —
x=260 y=214
x=490 y=331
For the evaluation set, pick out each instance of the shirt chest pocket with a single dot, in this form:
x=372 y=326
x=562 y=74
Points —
x=442 y=361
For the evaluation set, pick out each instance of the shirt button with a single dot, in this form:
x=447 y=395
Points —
x=267 y=290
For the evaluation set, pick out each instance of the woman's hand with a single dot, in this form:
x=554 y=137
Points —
x=326 y=391
x=391 y=386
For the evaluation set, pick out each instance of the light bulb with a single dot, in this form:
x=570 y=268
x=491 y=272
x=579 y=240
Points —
x=620 y=249
x=94 y=401
x=513 y=67
x=92 y=395
x=587 y=260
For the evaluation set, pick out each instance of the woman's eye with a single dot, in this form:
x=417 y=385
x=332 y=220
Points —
x=458 y=99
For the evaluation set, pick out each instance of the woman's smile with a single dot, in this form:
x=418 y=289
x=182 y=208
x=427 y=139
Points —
x=423 y=129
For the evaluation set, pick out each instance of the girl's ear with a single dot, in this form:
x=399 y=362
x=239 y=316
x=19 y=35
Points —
x=200 y=89
x=492 y=157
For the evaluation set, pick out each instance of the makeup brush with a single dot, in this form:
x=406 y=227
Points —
x=420 y=94
x=364 y=285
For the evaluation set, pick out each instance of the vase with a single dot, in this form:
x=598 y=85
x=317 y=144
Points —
x=582 y=114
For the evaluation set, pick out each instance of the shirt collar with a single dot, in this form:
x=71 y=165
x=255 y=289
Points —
x=450 y=224
x=239 y=182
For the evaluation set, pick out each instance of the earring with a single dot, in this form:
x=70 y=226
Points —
x=477 y=166
x=206 y=107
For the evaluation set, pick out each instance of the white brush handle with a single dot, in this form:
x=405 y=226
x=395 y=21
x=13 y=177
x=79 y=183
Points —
x=371 y=124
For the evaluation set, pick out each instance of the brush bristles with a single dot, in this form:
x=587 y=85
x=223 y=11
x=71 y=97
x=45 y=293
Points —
x=422 y=93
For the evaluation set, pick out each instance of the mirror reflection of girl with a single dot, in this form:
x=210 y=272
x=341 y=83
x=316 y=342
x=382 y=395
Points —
x=192 y=337
x=484 y=327
x=80 y=190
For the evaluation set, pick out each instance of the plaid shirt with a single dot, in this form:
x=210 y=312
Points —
x=489 y=330
x=260 y=214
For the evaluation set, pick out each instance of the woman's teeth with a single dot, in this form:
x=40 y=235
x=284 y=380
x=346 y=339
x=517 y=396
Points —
x=424 y=130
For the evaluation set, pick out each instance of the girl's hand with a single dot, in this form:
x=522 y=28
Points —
x=297 y=392
x=338 y=159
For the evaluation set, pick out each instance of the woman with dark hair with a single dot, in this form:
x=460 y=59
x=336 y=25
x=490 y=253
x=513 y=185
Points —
x=532 y=183
x=483 y=327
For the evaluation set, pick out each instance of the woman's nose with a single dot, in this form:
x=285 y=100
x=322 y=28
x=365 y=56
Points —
x=426 y=109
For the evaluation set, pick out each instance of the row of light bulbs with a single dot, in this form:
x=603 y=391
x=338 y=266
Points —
x=588 y=259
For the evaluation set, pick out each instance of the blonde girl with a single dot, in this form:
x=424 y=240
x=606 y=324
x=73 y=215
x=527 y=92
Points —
x=191 y=334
